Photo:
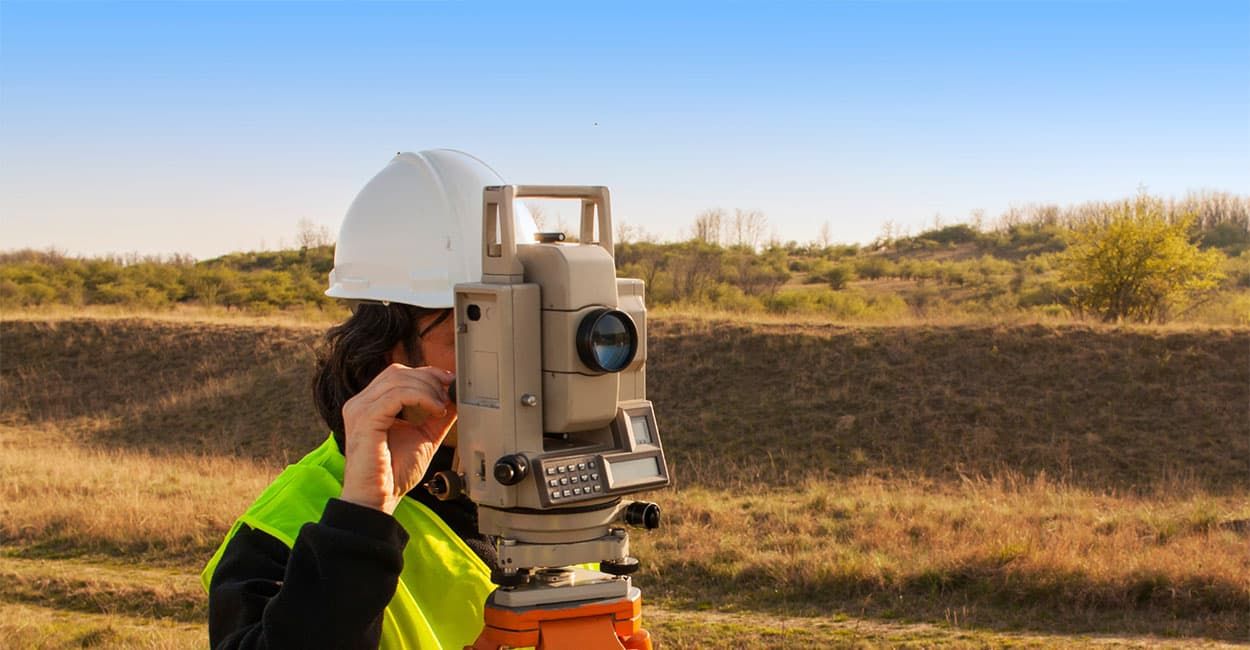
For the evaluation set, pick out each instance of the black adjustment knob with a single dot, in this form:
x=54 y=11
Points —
x=511 y=470
x=621 y=567
x=445 y=485
x=509 y=578
x=643 y=514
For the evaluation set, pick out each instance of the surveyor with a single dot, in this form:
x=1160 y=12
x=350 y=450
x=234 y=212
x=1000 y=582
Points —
x=346 y=549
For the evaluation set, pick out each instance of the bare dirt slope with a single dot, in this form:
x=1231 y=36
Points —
x=738 y=403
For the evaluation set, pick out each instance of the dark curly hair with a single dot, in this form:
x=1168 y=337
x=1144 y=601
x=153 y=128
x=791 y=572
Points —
x=354 y=352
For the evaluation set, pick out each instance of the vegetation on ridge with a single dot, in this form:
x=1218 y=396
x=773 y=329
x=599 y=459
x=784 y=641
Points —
x=1022 y=266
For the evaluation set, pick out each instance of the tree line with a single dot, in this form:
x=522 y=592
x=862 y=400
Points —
x=1145 y=258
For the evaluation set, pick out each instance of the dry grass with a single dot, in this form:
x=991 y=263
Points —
x=740 y=403
x=59 y=499
x=33 y=627
x=199 y=314
x=708 y=630
x=745 y=404
x=824 y=474
x=108 y=588
x=163 y=386
x=1000 y=554
x=981 y=555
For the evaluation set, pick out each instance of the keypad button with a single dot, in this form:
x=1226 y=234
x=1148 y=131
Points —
x=564 y=480
x=561 y=469
x=585 y=478
x=591 y=464
x=572 y=479
x=569 y=467
x=598 y=488
x=550 y=471
x=567 y=493
x=577 y=490
x=581 y=466
x=555 y=494
x=553 y=482
x=594 y=477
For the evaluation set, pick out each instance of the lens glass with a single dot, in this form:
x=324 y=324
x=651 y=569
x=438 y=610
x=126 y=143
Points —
x=612 y=342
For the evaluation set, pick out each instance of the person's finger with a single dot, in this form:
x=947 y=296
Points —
x=408 y=396
x=399 y=375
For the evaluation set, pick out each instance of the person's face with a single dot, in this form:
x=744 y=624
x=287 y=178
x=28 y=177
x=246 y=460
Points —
x=438 y=345
x=438 y=350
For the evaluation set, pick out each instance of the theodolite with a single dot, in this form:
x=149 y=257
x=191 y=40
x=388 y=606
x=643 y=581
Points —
x=555 y=427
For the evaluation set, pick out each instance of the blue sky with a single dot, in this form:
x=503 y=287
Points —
x=216 y=126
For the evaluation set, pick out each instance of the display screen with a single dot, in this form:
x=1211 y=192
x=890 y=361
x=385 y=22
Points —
x=642 y=430
x=633 y=471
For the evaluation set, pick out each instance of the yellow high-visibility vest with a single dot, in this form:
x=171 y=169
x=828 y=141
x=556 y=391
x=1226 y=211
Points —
x=443 y=587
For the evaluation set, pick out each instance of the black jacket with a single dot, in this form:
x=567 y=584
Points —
x=330 y=588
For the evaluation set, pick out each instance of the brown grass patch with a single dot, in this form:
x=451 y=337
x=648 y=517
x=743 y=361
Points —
x=1025 y=554
x=59 y=499
x=1064 y=479
x=1106 y=408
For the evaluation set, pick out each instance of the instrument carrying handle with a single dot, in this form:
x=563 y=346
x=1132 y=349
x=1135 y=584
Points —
x=595 y=201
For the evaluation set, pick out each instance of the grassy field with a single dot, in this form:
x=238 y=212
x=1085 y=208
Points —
x=959 y=486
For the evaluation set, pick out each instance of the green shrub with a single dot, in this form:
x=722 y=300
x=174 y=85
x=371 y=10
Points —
x=956 y=234
x=1233 y=239
x=838 y=276
x=1136 y=264
x=731 y=298
x=875 y=267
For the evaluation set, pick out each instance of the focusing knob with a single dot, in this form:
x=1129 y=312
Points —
x=621 y=567
x=643 y=514
x=511 y=470
x=509 y=577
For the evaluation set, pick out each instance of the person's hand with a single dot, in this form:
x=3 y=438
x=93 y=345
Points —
x=387 y=456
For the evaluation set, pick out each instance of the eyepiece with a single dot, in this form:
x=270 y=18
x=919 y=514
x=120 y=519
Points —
x=607 y=340
x=445 y=485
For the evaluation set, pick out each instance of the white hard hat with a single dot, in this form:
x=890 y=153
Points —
x=415 y=230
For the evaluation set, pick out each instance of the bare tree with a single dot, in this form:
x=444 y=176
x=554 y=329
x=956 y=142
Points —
x=826 y=235
x=627 y=233
x=536 y=211
x=748 y=228
x=708 y=224
x=977 y=219
x=889 y=232
x=311 y=235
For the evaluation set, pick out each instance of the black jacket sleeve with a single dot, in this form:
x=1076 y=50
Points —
x=327 y=591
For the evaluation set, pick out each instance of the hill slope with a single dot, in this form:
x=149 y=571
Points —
x=738 y=403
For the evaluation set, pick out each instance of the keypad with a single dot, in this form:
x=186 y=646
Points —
x=573 y=479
